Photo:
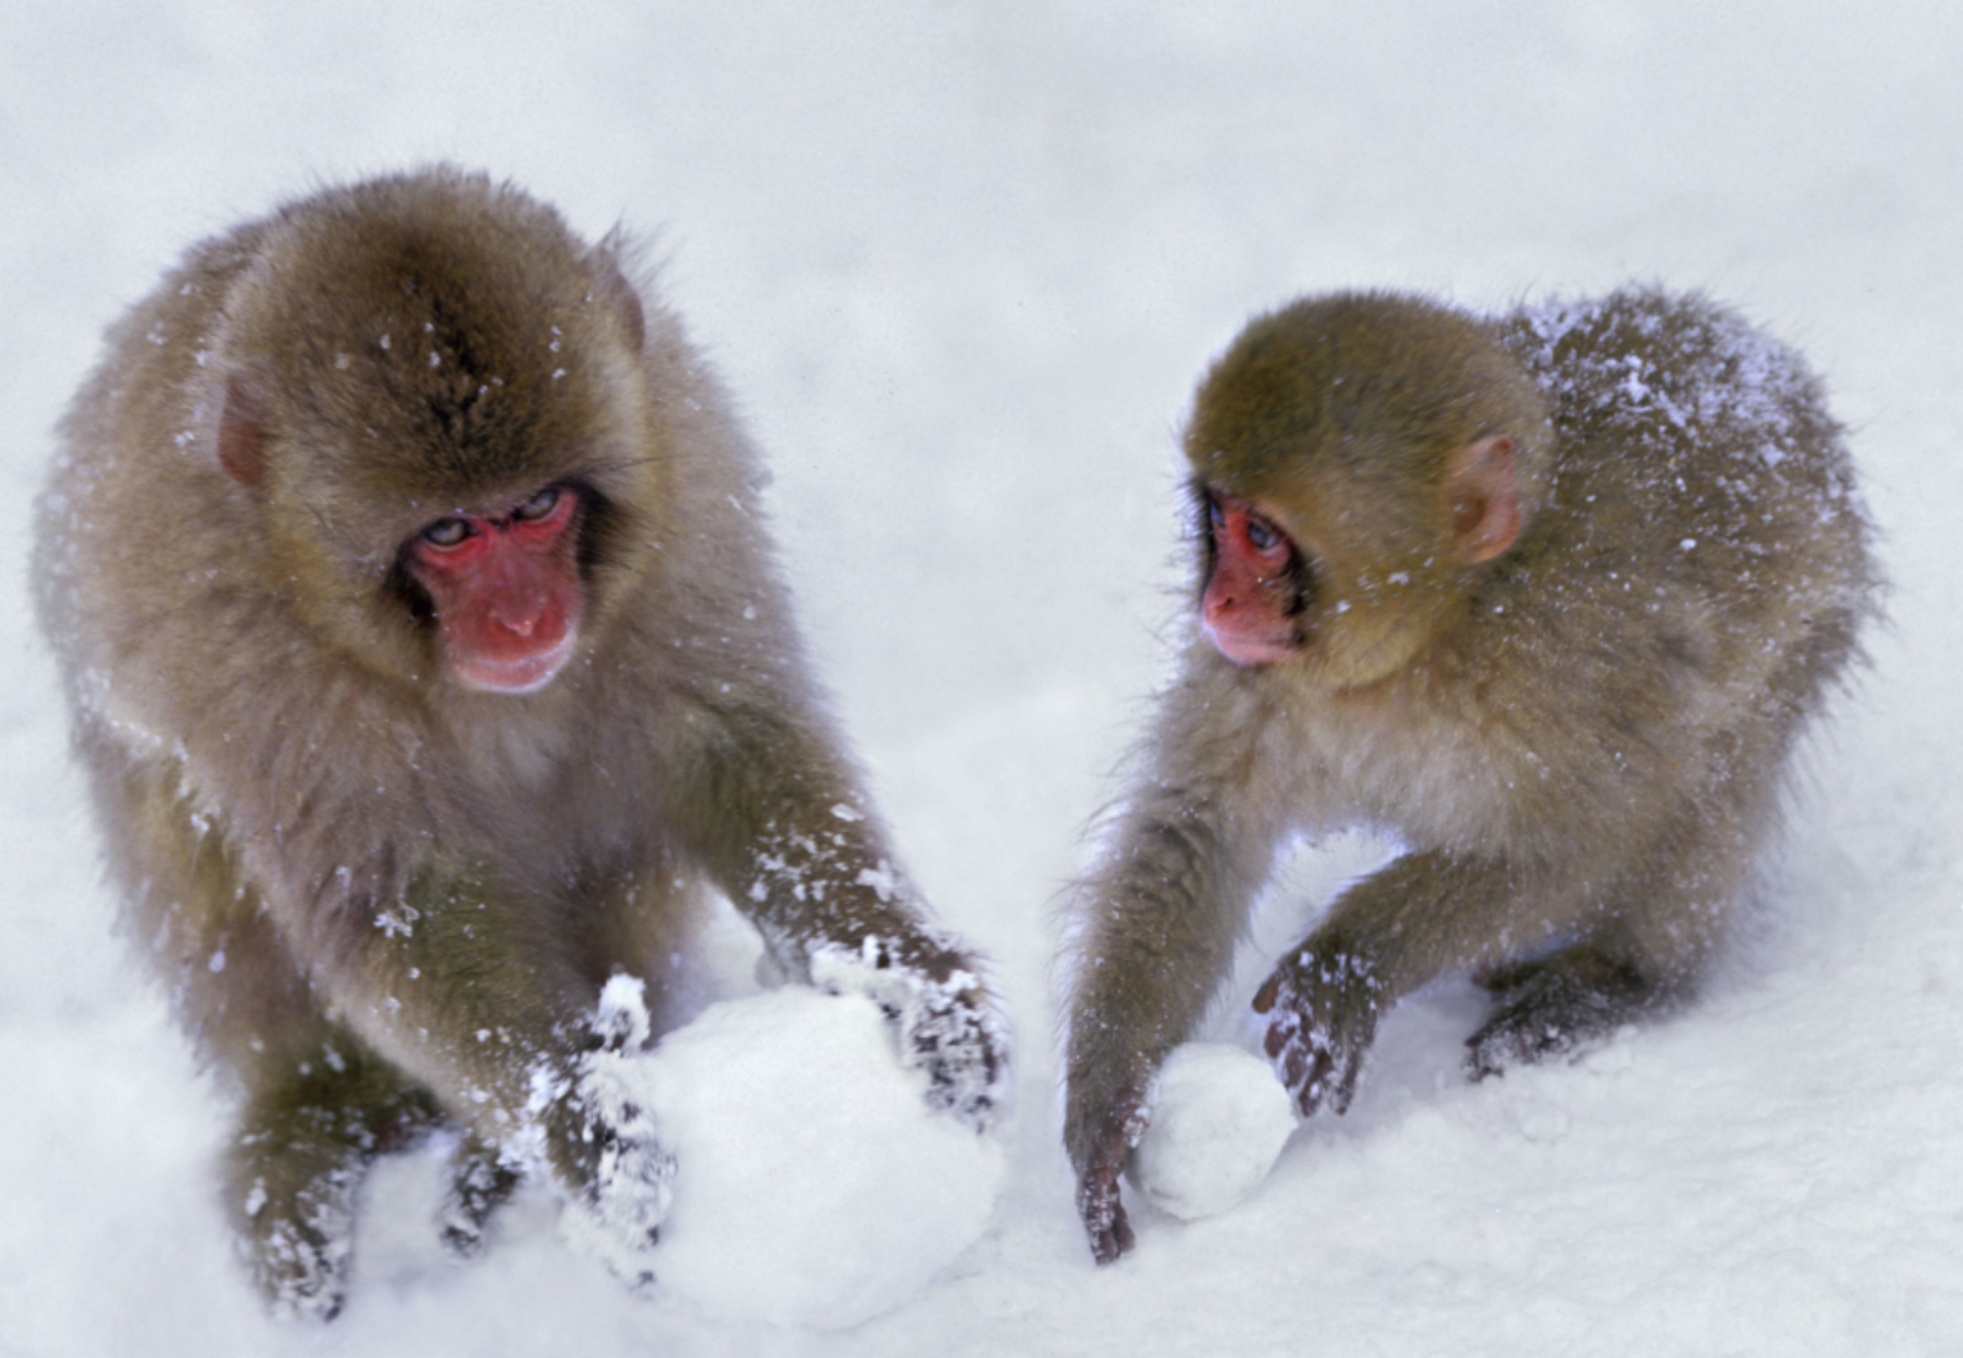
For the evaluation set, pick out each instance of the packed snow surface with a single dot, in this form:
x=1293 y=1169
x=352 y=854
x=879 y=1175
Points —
x=1219 y=1119
x=814 y=1185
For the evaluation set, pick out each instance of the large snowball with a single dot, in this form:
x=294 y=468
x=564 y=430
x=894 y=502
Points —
x=814 y=1185
x=1219 y=1119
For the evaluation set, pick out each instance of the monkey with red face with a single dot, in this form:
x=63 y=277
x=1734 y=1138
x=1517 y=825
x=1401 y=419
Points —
x=423 y=645
x=1547 y=597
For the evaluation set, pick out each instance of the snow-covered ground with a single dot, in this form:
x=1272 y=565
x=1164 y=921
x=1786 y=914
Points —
x=962 y=261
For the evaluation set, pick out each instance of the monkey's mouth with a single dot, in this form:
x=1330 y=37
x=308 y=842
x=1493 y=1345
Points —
x=1248 y=648
x=525 y=673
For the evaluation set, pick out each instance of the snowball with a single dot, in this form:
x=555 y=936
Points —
x=814 y=1186
x=1219 y=1119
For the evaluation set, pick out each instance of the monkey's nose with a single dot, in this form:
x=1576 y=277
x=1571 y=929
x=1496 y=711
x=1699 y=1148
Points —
x=520 y=617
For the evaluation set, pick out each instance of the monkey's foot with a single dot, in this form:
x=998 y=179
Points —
x=948 y=1024
x=1322 y=1009
x=481 y=1181
x=1553 y=1007
x=299 y=1251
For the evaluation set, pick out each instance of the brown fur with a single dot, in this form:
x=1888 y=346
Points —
x=1580 y=741
x=380 y=898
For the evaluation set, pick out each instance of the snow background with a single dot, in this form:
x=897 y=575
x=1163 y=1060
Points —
x=962 y=262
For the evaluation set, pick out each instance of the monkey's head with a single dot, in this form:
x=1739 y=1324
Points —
x=1358 y=461
x=432 y=389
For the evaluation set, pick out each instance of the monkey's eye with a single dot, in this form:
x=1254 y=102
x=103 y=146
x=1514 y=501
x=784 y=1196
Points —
x=1240 y=530
x=447 y=532
x=538 y=506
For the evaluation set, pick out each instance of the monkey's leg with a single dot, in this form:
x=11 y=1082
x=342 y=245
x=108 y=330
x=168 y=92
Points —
x=1641 y=958
x=315 y=1118
x=319 y=1105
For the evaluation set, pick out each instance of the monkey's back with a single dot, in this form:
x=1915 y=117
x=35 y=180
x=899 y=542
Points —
x=1690 y=436
x=1702 y=573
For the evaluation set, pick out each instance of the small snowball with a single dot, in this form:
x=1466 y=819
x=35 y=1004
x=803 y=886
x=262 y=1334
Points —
x=1219 y=1119
x=814 y=1186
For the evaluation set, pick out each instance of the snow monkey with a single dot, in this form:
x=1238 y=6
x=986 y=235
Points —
x=426 y=653
x=1546 y=598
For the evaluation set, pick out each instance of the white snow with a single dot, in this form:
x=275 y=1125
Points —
x=962 y=262
x=816 y=1186
x=1219 y=1118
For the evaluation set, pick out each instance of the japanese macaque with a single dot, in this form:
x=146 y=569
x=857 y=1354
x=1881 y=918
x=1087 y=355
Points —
x=427 y=655
x=1546 y=598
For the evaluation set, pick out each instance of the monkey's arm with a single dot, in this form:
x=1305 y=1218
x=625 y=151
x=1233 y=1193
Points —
x=1424 y=914
x=473 y=988
x=790 y=837
x=1156 y=928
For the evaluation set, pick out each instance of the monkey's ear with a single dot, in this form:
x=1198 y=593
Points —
x=1483 y=489
x=635 y=314
x=242 y=432
x=624 y=296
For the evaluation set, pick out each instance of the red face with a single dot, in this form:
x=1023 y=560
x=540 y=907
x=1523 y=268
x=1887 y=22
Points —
x=1252 y=601
x=506 y=590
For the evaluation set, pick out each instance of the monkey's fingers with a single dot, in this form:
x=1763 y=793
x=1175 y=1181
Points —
x=1316 y=1060
x=1103 y=1212
x=1339 y=1085
x=949 y=1022
x=963 y=1043
x=1292 y=1056
x=1303 y=1065
x=480 y=1183
x=1102 y=1156
x=1301 y=1074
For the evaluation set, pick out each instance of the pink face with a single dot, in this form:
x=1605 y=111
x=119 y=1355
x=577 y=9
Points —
x=506 y=590
x=1250 y=605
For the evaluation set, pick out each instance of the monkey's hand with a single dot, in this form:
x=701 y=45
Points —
x=602 y=1144
x=949 y=1024
x=1322 y=1004
x=1101 y=1160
